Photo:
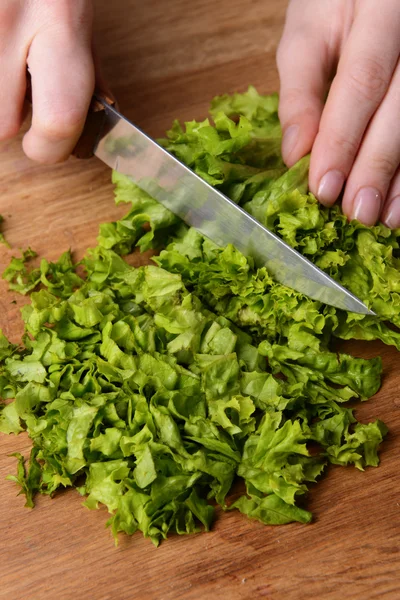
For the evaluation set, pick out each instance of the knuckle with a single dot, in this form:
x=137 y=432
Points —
x=385 y=164
x=63 y=125
x=290 y=96
x=297 y=105
x=368 y=77
x=341 y=144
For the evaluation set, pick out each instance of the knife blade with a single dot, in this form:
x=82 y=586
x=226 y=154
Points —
x=126 y=149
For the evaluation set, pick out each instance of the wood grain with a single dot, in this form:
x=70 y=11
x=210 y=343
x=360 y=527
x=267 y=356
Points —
x=168 y=59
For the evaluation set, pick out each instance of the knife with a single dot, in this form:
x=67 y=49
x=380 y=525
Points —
x=126 y=149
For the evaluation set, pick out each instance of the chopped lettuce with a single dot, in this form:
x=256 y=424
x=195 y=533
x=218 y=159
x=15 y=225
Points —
x=60 y=277
x=152 y=389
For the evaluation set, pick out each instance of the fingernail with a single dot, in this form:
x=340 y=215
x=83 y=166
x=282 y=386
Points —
x=392 y=217
x=330 y=187
x=367 y=206
x=289 y=140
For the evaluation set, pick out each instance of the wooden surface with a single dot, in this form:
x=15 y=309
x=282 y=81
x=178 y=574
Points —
x=167 y=59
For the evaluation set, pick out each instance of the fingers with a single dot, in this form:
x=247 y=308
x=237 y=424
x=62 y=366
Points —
x=377 y=160
x=391 y=211
x=364 y=73
x=12 y=94
x=12 y=72
x=61 y=66
x=304 y=66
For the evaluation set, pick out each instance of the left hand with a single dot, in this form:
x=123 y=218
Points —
x=354 y=137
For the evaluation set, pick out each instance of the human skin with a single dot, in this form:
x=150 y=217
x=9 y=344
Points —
x=53 y=39
x=347 y=50
x=354 y=137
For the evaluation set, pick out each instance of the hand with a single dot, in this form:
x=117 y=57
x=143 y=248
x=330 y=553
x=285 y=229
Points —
x=54 y=39
x=354 y=138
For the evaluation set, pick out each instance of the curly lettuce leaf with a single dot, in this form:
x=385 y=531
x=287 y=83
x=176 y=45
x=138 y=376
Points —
x=152 y=389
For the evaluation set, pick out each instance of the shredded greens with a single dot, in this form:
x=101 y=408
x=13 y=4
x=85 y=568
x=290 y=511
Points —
x=152 y=389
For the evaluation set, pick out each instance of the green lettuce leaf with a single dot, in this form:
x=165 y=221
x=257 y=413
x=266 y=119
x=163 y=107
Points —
x=152 y=389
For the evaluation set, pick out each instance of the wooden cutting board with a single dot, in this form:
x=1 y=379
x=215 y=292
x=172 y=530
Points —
x=165 y=60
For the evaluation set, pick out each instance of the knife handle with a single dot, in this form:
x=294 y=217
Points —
x=93 y=124
x=94 y=120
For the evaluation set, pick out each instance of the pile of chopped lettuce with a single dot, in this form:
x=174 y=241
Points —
x=152 y=389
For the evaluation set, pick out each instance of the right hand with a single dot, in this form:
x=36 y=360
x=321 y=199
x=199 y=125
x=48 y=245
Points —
x=53 y=38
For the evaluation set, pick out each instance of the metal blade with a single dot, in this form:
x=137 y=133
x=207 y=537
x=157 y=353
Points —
x=125 y=148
